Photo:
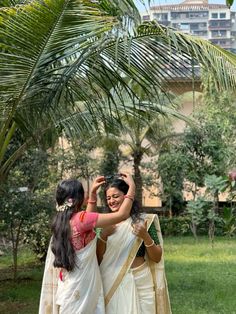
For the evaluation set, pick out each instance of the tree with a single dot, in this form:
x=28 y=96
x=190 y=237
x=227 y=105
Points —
x=171 y=169
x=60 y=58
x=20 y=202
x=142 y=137
x=214 y=103
x=196 y=210
x=205 y=152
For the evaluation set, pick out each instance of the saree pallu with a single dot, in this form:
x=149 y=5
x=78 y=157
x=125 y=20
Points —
x=143 y=290
x=80 y=291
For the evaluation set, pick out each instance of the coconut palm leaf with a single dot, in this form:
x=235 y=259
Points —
x=9 y=3
x=59 y=58
x=30 y=47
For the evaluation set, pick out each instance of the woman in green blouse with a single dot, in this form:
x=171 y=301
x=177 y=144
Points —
x=131 y=259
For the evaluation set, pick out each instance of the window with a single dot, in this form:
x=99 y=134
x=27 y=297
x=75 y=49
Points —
x=184 y=26
x=179 y=15
x=194 y=26
x=146 y=17
x=214 y=15
x=157 y=16
x=160 y=16
x=197 y=14
x=222 y=15
x=164 y=17
x=218 y=33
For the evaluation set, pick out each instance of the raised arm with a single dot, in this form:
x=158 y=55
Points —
x=92 y=200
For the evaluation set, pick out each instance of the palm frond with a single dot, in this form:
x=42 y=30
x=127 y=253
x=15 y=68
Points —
x=183 y=49
x=67 y=59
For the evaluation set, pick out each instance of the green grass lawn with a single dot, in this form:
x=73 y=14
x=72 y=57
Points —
x=21 y=297
x=201 y=279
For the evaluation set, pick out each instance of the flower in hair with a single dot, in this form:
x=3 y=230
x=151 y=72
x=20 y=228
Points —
x=63 y=207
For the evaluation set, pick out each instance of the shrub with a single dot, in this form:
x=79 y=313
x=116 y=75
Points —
x=37 y=234
x=178 y=225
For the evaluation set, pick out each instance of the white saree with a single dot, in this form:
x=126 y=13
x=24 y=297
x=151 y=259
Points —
x=142 y=290
x=80 y=291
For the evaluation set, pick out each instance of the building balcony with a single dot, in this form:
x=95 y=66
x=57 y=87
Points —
x=217 y=24
x=165 y=23
x=219 y=37
x=189 y=19
x=224 y=43
x=199 y=29
x=212 y=28
x=199 y=33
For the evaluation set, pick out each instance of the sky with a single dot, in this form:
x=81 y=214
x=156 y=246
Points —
x=161 y=2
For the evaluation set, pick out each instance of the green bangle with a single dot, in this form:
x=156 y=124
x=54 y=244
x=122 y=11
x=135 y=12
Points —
x=99 y=237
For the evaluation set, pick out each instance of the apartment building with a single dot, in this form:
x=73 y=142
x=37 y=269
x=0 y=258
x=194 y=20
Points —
x=214 y=22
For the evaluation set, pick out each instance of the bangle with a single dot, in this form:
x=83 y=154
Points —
x=129 y=197
x=91 y=202
x=99 y=237
x=93 y=198
x=149 y=245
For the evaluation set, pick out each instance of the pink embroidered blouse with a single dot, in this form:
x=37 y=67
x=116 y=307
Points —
x=82 y=225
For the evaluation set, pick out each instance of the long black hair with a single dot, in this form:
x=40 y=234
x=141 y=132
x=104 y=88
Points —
x=122 y=186
x=69 y=197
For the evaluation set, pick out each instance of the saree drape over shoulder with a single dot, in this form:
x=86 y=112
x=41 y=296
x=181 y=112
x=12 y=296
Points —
x=80 y=291
x=123 y=285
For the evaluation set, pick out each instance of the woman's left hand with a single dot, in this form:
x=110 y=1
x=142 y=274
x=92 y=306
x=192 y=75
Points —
x=140 y=229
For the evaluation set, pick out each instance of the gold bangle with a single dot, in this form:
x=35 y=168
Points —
x=102 y=239
x=149 y=245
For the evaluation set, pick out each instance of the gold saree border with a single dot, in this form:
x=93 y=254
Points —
x=162 y=295
x=128 y=262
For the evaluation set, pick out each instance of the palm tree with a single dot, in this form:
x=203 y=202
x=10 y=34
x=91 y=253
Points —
x=142 y=132
x=142 y=138
x=59 y=60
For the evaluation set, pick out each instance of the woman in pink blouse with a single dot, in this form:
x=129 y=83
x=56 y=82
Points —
x=72 y=282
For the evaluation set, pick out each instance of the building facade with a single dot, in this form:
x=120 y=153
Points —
x=214 y=22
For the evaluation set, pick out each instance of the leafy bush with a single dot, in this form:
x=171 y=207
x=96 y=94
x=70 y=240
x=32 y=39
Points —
x=229 y=221
x=175 y=226
x=180 y=225
x=37 y=234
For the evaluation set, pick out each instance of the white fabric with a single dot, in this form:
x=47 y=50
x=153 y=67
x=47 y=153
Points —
x=135 y=294
x=125 y=288
x=47 y=303
x=80 y=292
x=118 y=246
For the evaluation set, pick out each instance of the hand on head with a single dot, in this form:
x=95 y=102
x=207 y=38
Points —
x=97 y=183
x=127 y=177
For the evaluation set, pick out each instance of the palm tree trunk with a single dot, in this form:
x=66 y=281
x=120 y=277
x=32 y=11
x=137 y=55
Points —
x=137 y=177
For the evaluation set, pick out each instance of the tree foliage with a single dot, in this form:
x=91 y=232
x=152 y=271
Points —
x=59 y=61
x=23 y=196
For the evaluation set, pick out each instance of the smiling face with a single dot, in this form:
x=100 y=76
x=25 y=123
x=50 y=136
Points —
x=114 y=198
